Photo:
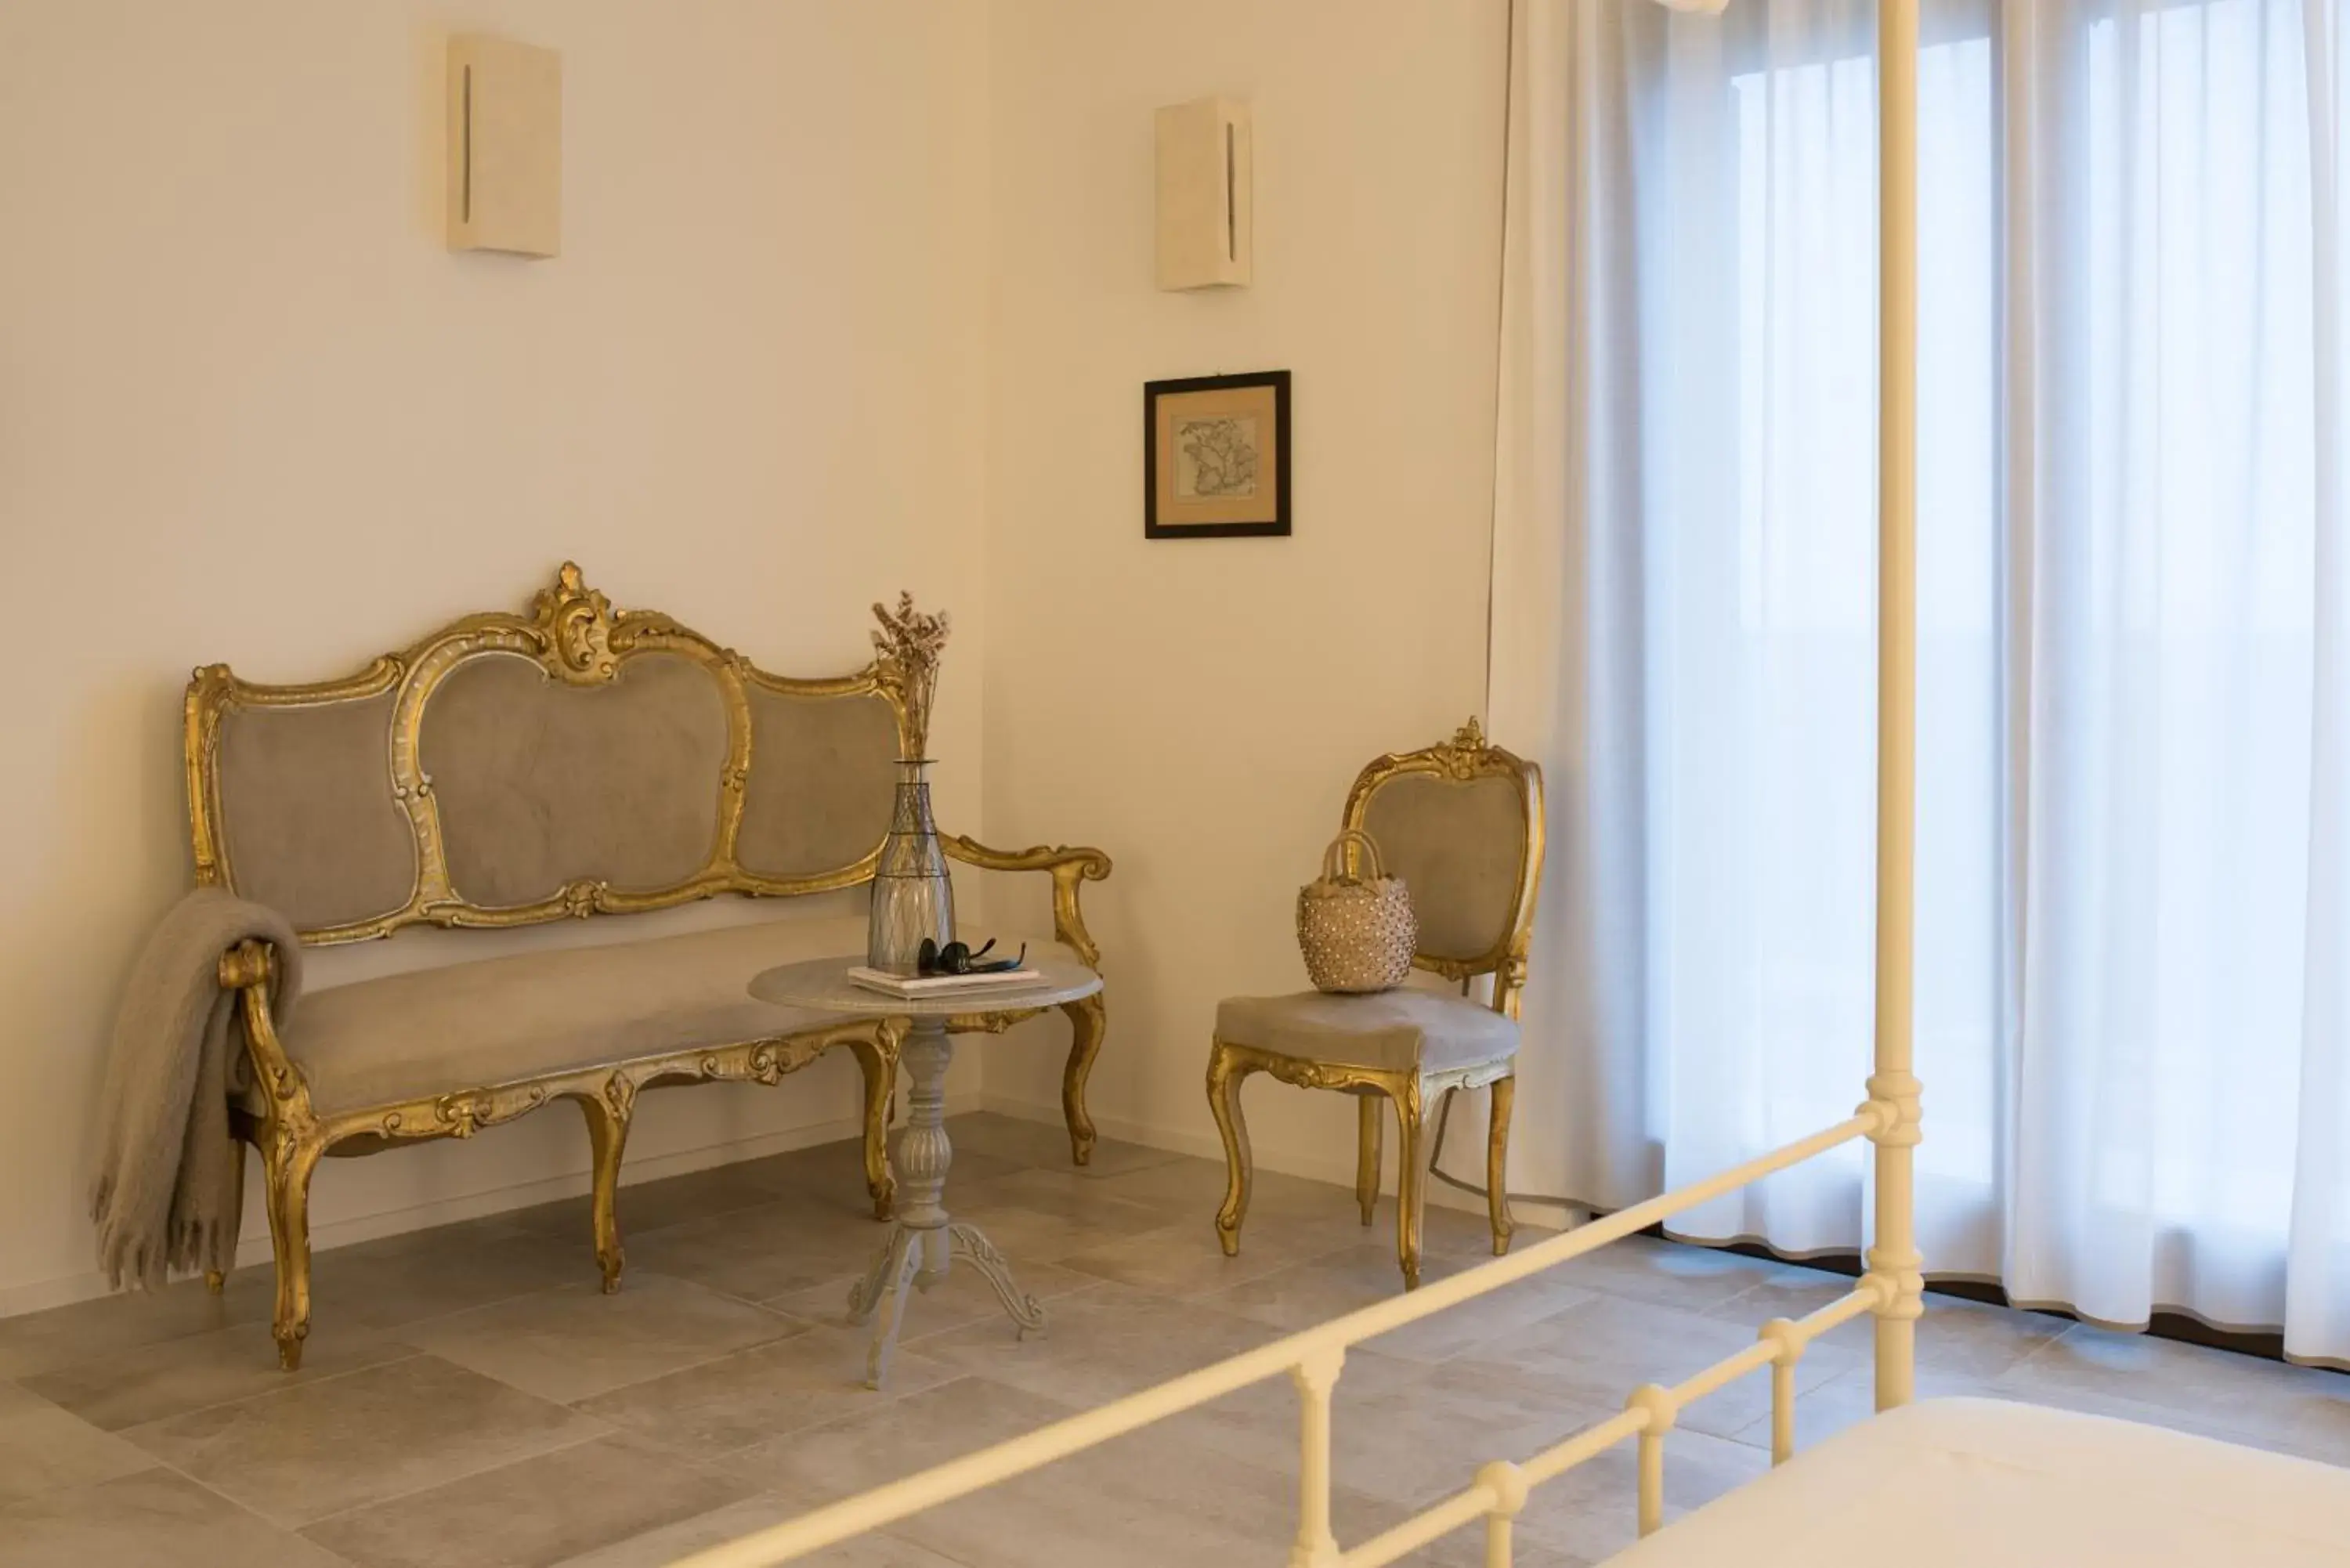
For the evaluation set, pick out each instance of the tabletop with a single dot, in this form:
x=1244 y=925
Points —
x=823 y=984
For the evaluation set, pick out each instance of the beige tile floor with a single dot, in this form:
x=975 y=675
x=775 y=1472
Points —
x=470 y=1399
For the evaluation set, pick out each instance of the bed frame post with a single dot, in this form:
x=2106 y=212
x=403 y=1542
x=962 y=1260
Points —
x=1893 y=1088
x=1315 y=1546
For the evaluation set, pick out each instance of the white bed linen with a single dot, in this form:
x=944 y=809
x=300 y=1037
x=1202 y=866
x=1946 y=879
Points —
x=1986 y=1484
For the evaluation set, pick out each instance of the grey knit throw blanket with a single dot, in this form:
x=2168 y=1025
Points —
x=169 y=1184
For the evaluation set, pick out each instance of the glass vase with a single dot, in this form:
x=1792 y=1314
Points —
x=912 y=896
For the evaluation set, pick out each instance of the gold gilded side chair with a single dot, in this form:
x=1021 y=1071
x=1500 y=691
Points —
x=1463 y=824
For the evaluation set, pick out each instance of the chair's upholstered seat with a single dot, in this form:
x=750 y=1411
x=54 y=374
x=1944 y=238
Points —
x=1396 y=1030
x=494 y=1021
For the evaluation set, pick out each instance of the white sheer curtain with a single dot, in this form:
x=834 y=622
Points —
x=2133 y=946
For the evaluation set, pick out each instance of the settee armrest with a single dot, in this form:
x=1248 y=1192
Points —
x=249 y=968
x=1069 y=867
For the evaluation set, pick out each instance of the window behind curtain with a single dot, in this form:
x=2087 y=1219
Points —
x=2114 y=516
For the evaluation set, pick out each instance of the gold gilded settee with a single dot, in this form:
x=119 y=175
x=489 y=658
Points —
x=510 y=769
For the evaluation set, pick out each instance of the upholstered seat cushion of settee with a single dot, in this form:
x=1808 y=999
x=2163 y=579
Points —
x=1394 y=1030
x=528 y=1015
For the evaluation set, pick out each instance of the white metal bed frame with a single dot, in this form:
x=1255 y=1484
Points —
x=1892 y=1286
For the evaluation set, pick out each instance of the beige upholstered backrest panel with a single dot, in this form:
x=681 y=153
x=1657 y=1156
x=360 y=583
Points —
x=541 y=783
x=309 y=820
x=570 y=761
x=1459 y=845
x=1461 y=823
x=823 y=770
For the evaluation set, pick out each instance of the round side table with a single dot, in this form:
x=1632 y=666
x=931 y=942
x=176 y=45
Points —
x=923 y=1243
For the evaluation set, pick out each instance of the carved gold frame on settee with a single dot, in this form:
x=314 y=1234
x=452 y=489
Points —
x=1464 y=757
x=573 y=633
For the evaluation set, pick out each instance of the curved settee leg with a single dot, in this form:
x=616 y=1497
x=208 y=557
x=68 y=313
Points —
x=1089 y=1018
x=285 y=1168
x=877 y=1060
x=608 y=1117
x=1226 y=1071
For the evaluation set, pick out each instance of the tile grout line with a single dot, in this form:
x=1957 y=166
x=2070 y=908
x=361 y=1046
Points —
x=799 y=1330
x=321 y=1380
x=565 y=1447
x=288 y=1531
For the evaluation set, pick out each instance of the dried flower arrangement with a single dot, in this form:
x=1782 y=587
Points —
x=910 y=642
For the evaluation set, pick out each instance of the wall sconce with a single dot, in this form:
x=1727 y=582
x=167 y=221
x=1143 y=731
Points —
x=505 y=147
x=1204 y=191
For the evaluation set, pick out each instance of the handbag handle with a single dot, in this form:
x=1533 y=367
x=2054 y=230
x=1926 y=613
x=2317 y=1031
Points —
x=1333 y=859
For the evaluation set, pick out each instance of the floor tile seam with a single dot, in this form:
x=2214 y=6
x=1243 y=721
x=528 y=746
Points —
x=715 y=1463
x=292 y=1385
x=111 y=1359
x=736 y=1297
x=8 y=1384
x=549 y=1232
x=8 y=1502
x=716 y=1290
x=757 y=1494
x=800 y=1331
x=919 y=1546
x=402 y=1325
x=1721 y=1308
x=1293 y=1260
x=1064 y=1407
x=239 y=1504
x=1090 y=1173
x=46 y=1368
x=581 y=1441
x=580 y=1288
x=1093 y=1287
x=2029 y=1355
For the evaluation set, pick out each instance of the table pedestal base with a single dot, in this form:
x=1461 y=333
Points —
x=924 y=1243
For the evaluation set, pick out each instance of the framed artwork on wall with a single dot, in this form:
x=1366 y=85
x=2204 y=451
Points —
x=1215 y=456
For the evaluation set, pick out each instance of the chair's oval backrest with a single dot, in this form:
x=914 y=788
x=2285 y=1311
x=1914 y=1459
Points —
x=513 y=769
x=1461 y=823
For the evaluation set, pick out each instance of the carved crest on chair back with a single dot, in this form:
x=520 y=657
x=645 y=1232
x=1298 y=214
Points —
x=579 y=622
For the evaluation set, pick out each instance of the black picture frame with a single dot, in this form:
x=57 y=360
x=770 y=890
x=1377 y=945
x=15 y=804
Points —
x=1278 y=526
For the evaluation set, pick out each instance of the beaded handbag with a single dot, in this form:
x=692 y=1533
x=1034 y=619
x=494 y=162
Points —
x=1357 y=933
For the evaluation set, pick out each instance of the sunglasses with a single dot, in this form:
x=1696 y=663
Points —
x=957 y=958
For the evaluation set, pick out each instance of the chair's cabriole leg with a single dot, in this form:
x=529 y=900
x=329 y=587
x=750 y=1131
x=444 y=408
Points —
x=877 y=1059
x=607 y=1115
x=1225 y=1071
x=1411 y=1176
x=1497 y=1161
x=286 y=1164
x=1368 y=1127
x=1088 y=1020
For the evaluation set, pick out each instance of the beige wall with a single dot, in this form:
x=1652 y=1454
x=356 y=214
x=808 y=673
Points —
x=251 y=409
x=852 y=296
x=1223 y=693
